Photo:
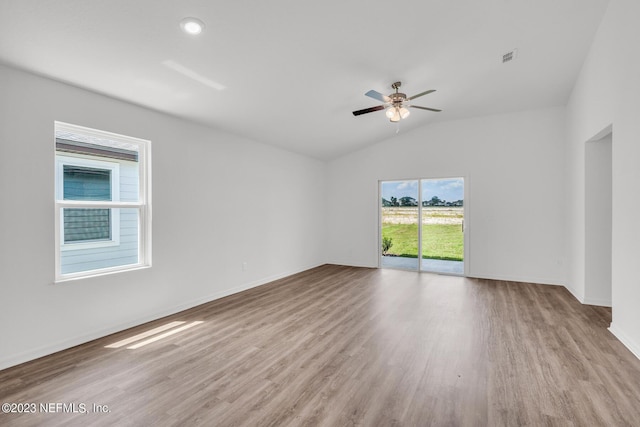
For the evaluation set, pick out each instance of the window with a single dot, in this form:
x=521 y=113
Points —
x=81 y=178
x=102 y=202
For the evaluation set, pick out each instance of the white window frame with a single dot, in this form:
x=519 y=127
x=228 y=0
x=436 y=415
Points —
x=143 y=205
x=114 y=168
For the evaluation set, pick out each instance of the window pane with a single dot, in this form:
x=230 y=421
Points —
x=76 y=258
x=87 y=225
x=399 y=206
x=82 y=183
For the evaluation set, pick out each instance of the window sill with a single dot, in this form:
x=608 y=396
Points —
x=72 y=277
x=89 y=245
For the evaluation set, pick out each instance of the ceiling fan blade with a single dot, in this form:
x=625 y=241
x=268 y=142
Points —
x=377 y=95
x=421 y=94
x=368 y=110
x=426 y=108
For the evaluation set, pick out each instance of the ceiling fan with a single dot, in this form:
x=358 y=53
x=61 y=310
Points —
x=396 y=103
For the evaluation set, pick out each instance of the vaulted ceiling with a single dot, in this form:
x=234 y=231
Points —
x=293 y=71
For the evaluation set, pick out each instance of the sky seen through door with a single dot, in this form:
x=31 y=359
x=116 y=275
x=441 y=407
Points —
x=450 y=190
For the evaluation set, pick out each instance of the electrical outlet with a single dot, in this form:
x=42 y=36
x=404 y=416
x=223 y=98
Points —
x=245 y=266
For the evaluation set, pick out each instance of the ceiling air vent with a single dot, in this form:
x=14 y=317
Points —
x=510 y=56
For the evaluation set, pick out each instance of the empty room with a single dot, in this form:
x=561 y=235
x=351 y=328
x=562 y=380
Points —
x=418 y=213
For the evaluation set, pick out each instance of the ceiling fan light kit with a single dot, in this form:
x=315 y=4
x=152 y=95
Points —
x=395 y=104
x=390 y=112
x=394 y=114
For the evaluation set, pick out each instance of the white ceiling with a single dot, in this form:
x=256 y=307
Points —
x=295 y=70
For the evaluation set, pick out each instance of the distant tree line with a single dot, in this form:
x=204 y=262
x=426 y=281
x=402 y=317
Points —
x=410 y=201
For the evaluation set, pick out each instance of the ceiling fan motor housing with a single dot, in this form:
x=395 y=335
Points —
x=398 y=98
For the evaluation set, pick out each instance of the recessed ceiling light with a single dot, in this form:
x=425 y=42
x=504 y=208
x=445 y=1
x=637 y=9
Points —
x=192 y=26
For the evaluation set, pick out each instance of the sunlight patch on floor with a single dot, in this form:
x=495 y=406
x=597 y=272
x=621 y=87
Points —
x=155 y=334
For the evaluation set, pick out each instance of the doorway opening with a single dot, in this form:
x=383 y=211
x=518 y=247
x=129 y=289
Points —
x=598 y=219
x=422 y=225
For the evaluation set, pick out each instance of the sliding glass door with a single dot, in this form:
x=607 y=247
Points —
x=442 y=225
x=434 y=243
x=400 y=234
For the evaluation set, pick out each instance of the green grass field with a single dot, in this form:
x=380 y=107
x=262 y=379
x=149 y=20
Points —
x=439 y=241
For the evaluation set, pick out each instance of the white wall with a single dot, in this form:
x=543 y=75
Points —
x=513 y=170
x=607 y=93
x=598 y=174
x=218 y=200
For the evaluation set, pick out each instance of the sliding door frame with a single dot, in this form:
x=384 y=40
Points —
x=465 y=221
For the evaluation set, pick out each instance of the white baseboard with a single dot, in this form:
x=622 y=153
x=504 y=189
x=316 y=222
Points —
x=575 y=294
x=360 y=265
x=537 y=280
x=590 y=301
x=598 y=302
x=633 y=346
x=27 y=356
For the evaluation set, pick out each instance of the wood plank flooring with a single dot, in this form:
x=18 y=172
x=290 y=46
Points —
x=346 y=346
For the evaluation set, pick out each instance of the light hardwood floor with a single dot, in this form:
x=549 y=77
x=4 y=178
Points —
x=341 y=346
